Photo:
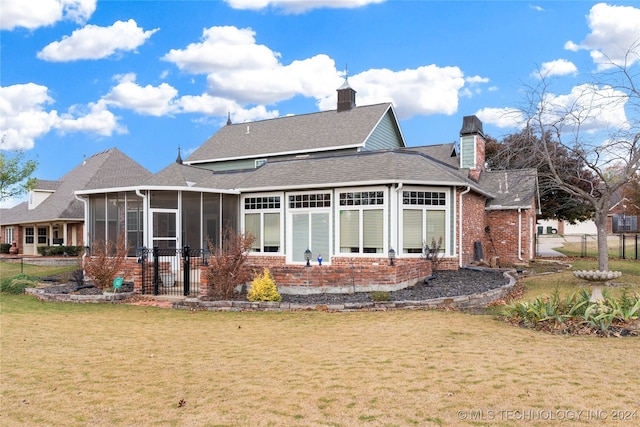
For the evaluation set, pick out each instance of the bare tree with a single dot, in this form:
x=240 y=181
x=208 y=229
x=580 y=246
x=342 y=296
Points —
x=570 y=123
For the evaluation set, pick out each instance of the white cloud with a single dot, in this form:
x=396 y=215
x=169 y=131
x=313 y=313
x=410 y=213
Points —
x=536 y=8
x=558 y=67
x=32 y=14
x=501 y=117
x=223 y=48
x=614 y=31
x=299 y=6
x=147 y=100
x=94 y=42
x=422 y=91
x=593 y=108
x=24 y=116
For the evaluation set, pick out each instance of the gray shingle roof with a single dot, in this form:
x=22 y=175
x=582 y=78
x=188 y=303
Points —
x=441 y=152
x=107 y=169
x=303 y=133
x=361 y=168
x=511 y=188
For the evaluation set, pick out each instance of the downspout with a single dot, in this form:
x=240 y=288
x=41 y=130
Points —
x=460 y=226
x=519 y=234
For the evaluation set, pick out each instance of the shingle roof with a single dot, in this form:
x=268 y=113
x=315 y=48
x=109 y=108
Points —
x=361 y=168
x=304 y=133
x=511 y=188
x=181 y=175
x=107 y=169
x=441 y=152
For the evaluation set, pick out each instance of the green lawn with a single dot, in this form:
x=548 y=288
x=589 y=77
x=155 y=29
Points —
x=124 y=365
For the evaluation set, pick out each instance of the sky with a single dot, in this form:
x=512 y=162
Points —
x=150 y=76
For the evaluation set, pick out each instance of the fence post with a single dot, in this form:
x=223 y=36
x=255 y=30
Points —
x=636 y=247
x=622 y=248
x=187 y=270
x=143 y=263
x=583 y=246
x=156 y=269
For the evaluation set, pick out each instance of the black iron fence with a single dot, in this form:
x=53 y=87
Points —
x=625 y=246
x=172 y=272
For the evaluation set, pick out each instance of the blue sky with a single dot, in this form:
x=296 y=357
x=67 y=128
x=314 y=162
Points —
x=80 y=76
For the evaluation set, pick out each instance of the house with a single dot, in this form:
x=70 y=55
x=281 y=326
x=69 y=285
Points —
x=53 y=215
x=337 y=190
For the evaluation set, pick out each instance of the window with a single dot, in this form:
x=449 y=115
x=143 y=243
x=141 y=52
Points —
x=8 y=235
x=42 y=235
x=260 y=162
x=28 y=235
x=262 y=220
x=362 y=222
x=423 y=220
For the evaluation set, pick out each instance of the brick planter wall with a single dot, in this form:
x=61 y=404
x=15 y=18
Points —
x=343 y=275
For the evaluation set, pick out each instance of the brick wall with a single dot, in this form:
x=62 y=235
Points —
x=473 y=224
x=342 y=275
x=502 y=238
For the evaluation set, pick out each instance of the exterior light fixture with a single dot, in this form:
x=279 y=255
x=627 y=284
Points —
x=392 y=256
x=307 y=257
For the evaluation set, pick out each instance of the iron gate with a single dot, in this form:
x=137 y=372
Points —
x=172 y=272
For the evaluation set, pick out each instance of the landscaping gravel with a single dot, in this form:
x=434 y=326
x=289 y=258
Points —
x=446 y=284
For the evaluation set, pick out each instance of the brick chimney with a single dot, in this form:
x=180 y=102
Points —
x=346 y=97
x=472 y=146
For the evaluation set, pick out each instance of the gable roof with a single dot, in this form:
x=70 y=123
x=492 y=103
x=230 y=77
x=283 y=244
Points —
x=299 y=134
x=107 y=169
x=446 y=153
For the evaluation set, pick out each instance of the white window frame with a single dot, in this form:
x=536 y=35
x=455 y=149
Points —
x=361 y=208
x=9 y=235
x=446 y=208
x=262 y=212
x=326 y=257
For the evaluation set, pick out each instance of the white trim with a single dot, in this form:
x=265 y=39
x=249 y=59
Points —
x=446 y=208
x=280 y=210
x=326 y=258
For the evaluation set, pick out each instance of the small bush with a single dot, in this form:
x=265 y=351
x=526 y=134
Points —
x=106 y=262
x=4 y=248
x=380 y=296
x=60 y=250
x=226 y=270
x=17 y=284
x=263 y=288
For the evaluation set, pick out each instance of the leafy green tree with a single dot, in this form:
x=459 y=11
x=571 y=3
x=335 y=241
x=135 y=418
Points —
x=15 y=174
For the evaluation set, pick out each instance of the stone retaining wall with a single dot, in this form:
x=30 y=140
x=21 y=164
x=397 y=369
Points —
x=459 y=302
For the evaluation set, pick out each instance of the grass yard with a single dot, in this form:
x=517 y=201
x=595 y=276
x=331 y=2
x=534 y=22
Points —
x=123 y=365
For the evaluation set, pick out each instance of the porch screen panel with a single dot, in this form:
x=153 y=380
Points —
x=252 y=226
x=98 y=230
x=412 y=231
x=300 y=225
x=350 y=231
x=191 y=219
x=271 y=232
x=372 y=229
x=210 y=220
x=320 y=235
x=436 y=228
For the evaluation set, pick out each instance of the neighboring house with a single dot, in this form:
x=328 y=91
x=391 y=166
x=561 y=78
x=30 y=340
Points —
x=53 y=215
x=341 y=184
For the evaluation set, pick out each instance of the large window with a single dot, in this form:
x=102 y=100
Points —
x=423 y=220
x=310 y=223
x=262 y=220
x=361 y=217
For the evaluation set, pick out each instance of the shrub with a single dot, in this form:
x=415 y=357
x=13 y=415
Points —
x=263 y=288
x=60 y=250
x=4 y=248
x=226 y=269
x=17 y=284
x=380 y=296
x=574 y=313
x=105 y=262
